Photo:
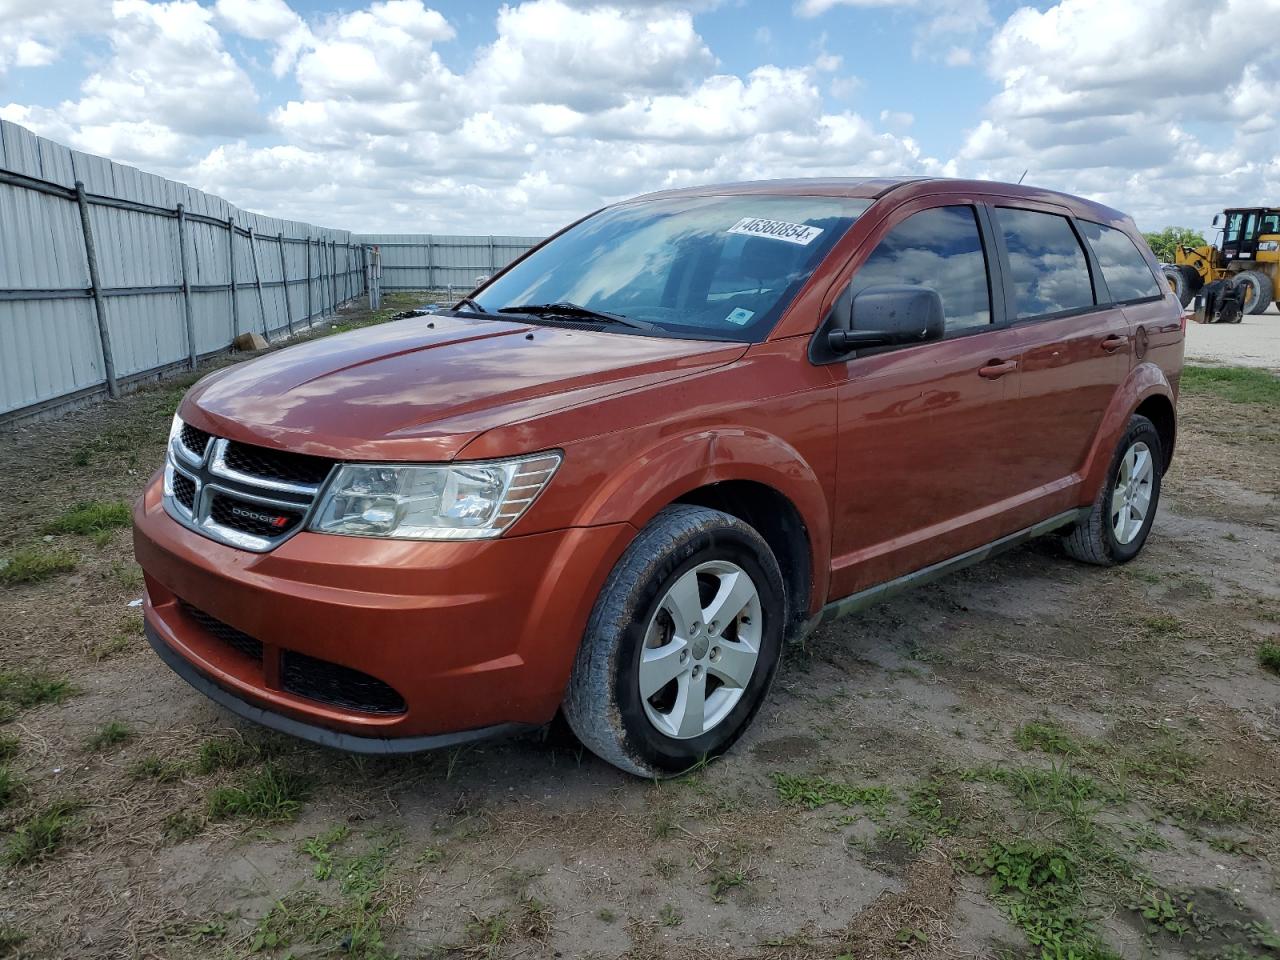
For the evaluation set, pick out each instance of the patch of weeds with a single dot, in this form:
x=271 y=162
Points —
x=32 y=689
x=8 y=747
x=41 y=835
x=430 y=855
x=605 y=915
x=925 y=806
x=1213 y=807
x=152 y=767
x=533 y=921
x=1162 y=624
x=320 y=849
x=181 y=825
x=669 y=916
x=11 y=938
x=814 y=792
x=225 y=753
x=10 y=785
x=1170 y=913
x=126 y=573
x=1269 y=656
x=270 y=794
x=1056 y=789
x=908 y=937
x=722 y=879
x=1047 y=736
x=486 y=935
x=33 y=564
x=1237 y=384
x=665 y=868
x=1164 y=758
x=1229 y=845
x=111 y=735
x=91 y=517
x=1037 y=887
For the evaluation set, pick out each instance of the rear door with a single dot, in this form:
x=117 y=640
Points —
x=924 y=472
x=1075 y=347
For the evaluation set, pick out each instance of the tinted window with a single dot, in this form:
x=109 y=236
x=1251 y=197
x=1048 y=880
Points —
x=1050 y=272
x=721 y=267
x=1123 y=267
x=940 y=249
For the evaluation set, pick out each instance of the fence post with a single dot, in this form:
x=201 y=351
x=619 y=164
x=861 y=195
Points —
x=257 y=282
x=284 y=278
x=431 y=262
x=186 y=287
x=333 y=272
x=231 y=262
x=310 y=312
x=492 y=263
x=99 y=307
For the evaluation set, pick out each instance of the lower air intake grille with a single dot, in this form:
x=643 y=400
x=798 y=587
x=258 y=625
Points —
x=227 y=634
x=341 y=686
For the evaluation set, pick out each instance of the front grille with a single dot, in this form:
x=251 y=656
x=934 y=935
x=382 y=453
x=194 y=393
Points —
x=341 y=686
x=253 y=518
x=194 y=439
x=184 y=490
x=236 y=639
x=277 y=465
x=309 y=677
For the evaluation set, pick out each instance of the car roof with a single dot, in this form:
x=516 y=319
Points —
x=902 y=188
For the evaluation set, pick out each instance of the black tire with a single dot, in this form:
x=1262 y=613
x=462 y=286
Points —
x=1257 y=291
x=1185 y=281
x=1093 y=538
x=603 y=703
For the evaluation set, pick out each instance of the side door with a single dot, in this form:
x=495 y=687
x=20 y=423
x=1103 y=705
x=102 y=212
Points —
x=923 y=469
x=1075 y=346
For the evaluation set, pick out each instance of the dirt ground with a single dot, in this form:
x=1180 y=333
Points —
x=1030 y=758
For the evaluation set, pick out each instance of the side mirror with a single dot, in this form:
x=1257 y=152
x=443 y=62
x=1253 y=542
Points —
x=1217 y=220
x=886 y=317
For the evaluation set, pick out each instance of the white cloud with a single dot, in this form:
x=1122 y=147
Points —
x=1122 y=103
x=33 y=32
x=937 y=18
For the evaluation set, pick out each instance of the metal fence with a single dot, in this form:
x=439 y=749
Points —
x=109 y=275
x=421 y=261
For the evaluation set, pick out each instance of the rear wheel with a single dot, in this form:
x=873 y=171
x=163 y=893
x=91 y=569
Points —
x=1183 y=280
x=1116 y=527
x=1256 y=290
x=682 y=645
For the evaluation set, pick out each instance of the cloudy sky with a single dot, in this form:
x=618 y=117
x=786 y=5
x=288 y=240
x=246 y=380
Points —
x=473 y=116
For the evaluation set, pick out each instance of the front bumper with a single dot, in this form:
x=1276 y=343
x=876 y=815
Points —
x=477 y=637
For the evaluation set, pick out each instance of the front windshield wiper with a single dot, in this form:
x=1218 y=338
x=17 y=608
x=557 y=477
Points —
x=576 y=311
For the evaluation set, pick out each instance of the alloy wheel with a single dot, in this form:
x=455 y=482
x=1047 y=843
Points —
x=1131 y=495
x=700 y=649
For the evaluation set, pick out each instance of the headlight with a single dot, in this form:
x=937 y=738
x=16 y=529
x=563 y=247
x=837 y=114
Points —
x=461 y=501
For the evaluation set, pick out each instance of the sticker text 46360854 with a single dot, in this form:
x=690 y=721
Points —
x=797 y=233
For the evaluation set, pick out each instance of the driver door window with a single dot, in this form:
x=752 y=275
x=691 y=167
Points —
x=940 y=249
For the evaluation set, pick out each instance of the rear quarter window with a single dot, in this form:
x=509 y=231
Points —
x=1125 y=269
x=1050 y=270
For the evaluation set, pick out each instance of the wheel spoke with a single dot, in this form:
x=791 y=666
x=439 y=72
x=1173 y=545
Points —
x=1142 y=465
x=1117 y=500
x=689 y=714
x=683 y=603
x=1141 y=501
x=736 y=664
x=660 y=665
x=736 y=591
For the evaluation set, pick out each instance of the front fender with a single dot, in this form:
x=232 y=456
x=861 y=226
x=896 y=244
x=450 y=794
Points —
x=1144 y=381
x=671 y=468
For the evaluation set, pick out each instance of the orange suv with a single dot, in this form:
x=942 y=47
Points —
x=617 y=478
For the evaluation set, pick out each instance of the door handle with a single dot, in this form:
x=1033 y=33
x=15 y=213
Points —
x=996 y=369
x=1114 y=342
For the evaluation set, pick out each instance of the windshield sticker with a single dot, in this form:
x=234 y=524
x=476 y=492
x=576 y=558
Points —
x=739 y=316
x=797 y=233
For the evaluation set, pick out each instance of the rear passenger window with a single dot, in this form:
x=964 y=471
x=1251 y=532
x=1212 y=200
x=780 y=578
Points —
x=1050 y=271
x=1123 y=266
x=940 y=249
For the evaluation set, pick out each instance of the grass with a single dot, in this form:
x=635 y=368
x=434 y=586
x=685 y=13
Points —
x=270 y=794
x=156 y=768
x=226 y=753
x=41 y=835
x=33 y=564
x=92 y=517
x=1269 y=656
x=669 y=916
x=814 y=792
x=10 y=785
x=182 y=825
x=28 y=689
x=8 y=747
x=1047 y=736
x=1237 y=384
x=112 y=734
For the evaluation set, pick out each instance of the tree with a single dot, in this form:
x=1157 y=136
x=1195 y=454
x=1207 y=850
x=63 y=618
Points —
x=1164 y=243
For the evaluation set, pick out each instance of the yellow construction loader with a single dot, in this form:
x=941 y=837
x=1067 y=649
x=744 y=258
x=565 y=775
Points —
x=1243 y=276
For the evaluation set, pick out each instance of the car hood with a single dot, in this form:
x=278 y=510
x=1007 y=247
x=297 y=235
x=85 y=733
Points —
x=422 y=388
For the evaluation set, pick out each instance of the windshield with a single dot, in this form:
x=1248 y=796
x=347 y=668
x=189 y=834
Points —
x=698 y=267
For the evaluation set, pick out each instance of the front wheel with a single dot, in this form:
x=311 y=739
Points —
x=1117 y=525
x=682 y=645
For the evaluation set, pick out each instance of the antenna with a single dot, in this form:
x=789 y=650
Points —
x=1024 y=175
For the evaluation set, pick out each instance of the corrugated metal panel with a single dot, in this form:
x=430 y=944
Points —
x=50 y=348
x=419 y=261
